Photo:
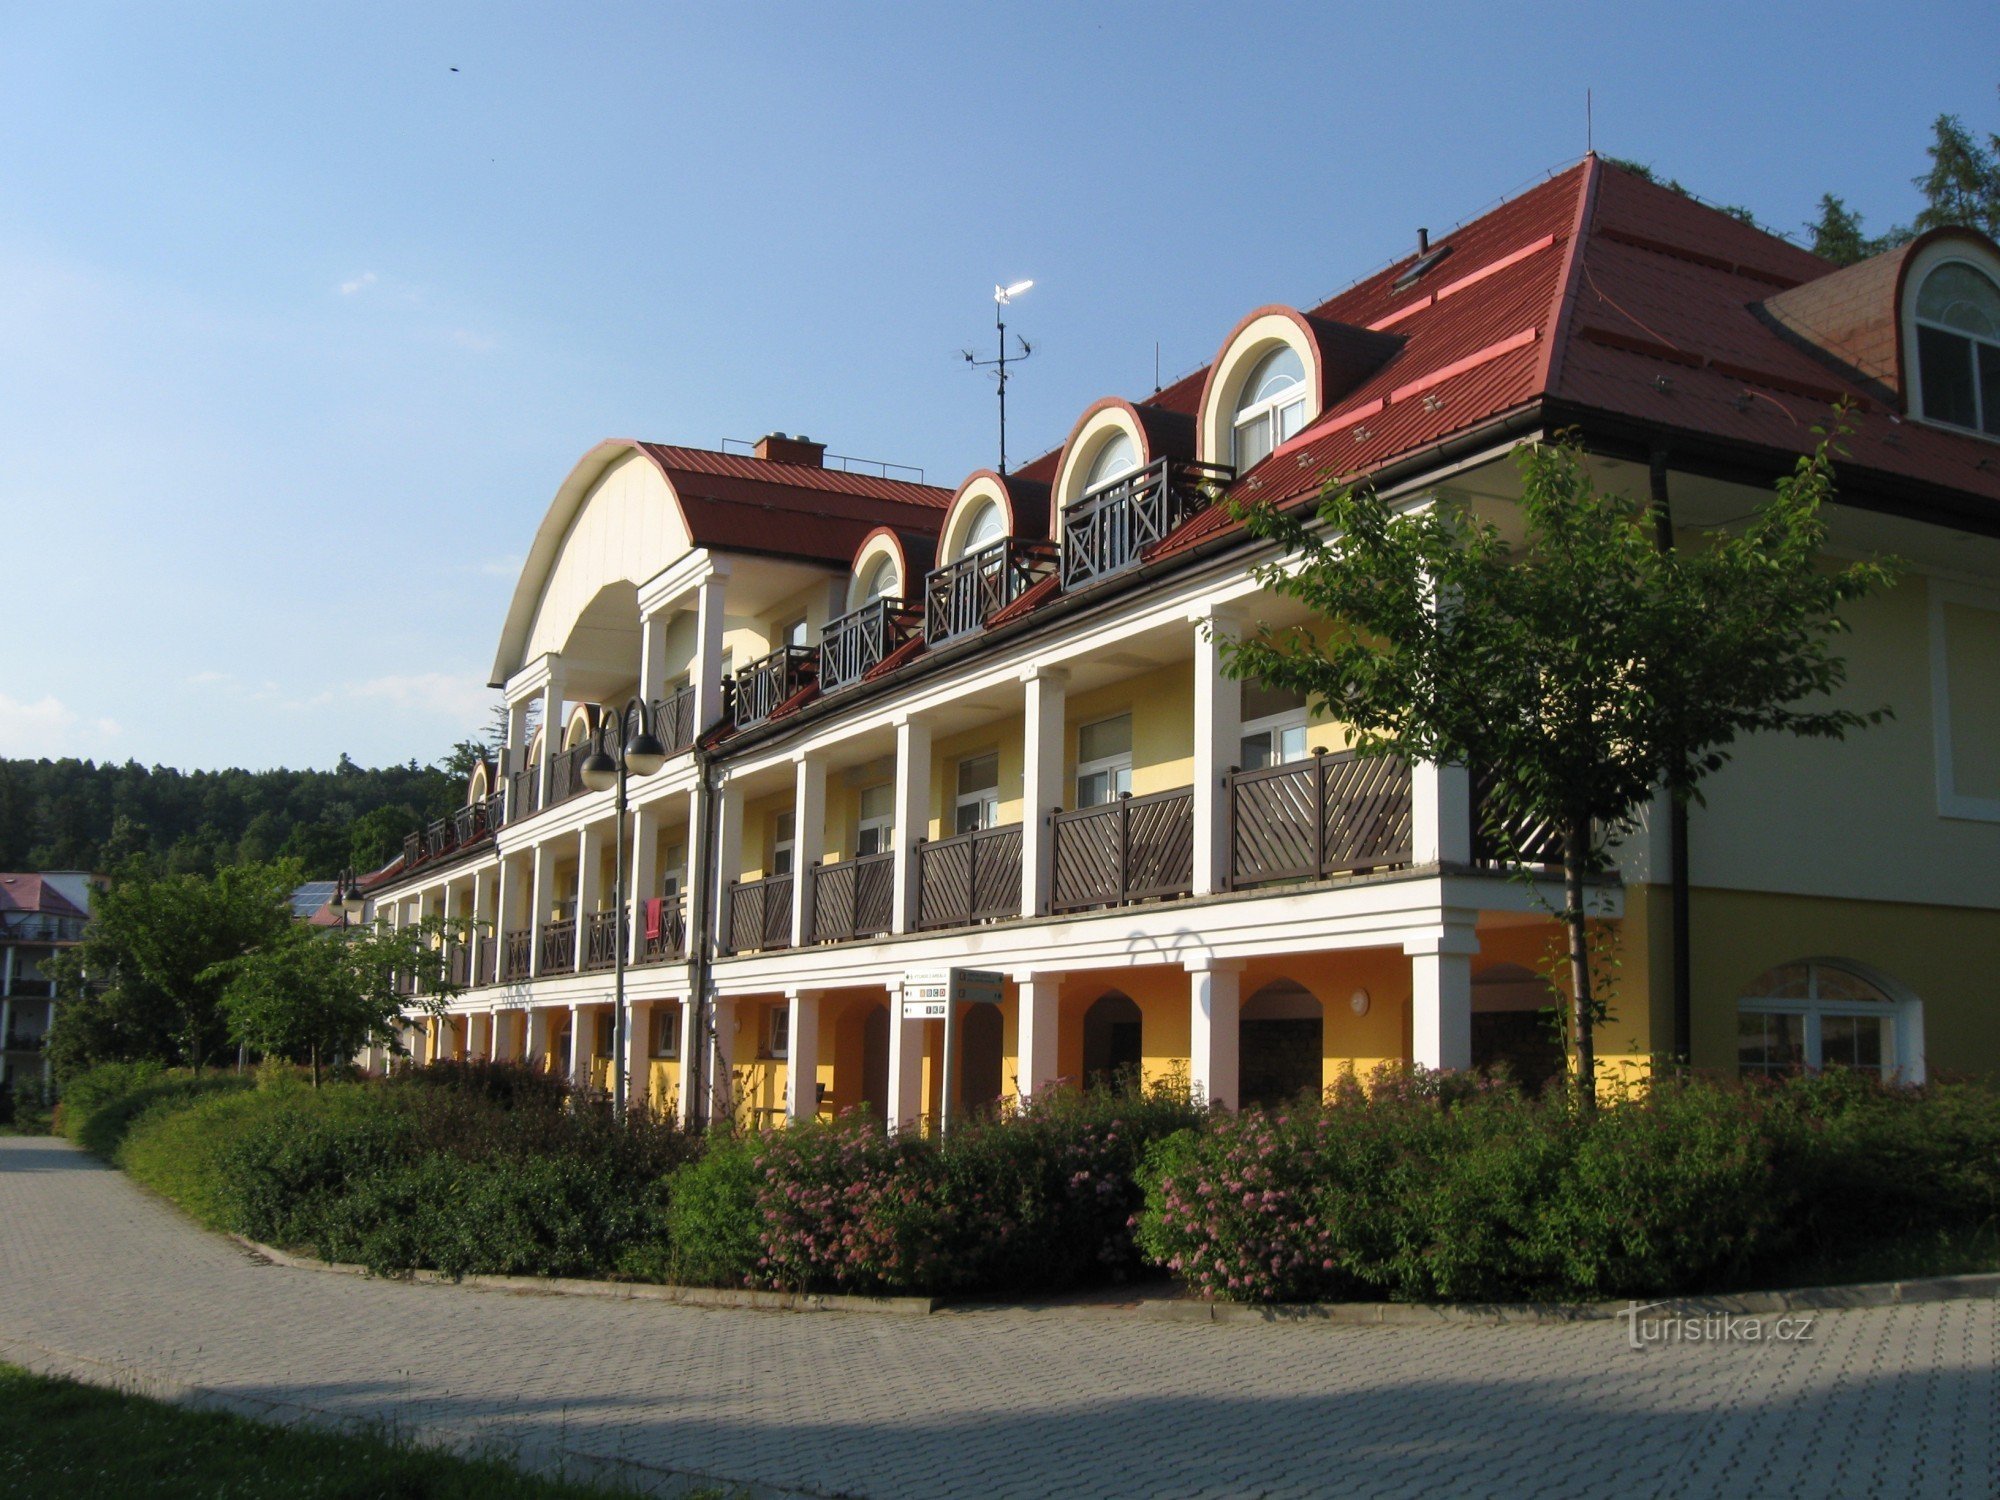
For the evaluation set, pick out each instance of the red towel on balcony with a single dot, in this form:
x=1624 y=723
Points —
x=655 y=914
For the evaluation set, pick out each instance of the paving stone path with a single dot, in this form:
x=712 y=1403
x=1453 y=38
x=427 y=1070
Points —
x=105 y=1282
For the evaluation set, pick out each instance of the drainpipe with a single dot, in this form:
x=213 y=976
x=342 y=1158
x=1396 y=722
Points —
x=700 y=933
x=1677 y=812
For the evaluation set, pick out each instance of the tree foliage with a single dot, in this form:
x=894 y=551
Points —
x=1583 y=667
x=147 y=979
x=314 y=994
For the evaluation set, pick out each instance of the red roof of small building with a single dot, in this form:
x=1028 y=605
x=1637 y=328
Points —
x=25 y=894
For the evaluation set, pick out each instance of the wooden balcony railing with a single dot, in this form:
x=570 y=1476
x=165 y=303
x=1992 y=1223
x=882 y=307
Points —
x=1110 y=526
x=1524 y=841
x=601 y=932
x=962 y=596
x=673 y=720
x=853 y=898
x=1134 y=849
x=524 y=793
x=486 y=958
x=566 y=768
x=853 y=644
x=558 y=955
x=665 y=942
x=758 y=915
x=1332 y=815
x=458 y=964
x=756 y=691
x=969 y=878
x=516 y=953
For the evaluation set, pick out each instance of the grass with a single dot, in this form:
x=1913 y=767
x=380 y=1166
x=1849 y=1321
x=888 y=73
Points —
x=63 y=1440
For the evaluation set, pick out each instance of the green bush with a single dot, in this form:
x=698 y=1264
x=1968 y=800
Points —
x=100 y=1108
x=711 y=1217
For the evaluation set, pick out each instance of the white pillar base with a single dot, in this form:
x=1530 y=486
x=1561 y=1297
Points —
x=1035 y=1024
x=1215 y=1001
x=802 y=1056
x=1441 y=996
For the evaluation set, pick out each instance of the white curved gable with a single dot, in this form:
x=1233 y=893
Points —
x=627 y=529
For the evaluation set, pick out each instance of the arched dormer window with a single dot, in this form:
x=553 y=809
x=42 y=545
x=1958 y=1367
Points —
x=1271 y=408
x=1958 y=347
x=1114 y=459
x=983 y=527
x=877 y=580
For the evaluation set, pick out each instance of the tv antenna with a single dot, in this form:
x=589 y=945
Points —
x=1003 y=297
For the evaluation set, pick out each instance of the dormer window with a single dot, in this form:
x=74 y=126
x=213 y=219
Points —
x=1958 y=347
x=878 y=582
x=984 y=528
x=1272 y=407
x=1118 y=457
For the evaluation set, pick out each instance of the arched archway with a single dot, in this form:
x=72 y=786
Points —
x=1512 y=1027
x=1281 y=1037
x=1113 y=1039
x=980 y=1042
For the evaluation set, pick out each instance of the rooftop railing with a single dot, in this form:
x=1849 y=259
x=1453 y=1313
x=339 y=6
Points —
x=962 y=596
x=854 y=644
x=756 y=691
x=1111 y=526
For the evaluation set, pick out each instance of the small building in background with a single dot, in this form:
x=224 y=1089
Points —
x=40 y=916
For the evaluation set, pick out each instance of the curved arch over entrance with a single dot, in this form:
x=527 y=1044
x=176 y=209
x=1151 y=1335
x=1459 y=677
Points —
x=1511 y=1026
x=1281 y=1036
x=1113 y=1039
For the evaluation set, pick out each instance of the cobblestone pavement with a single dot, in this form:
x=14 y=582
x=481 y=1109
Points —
x=105 y=1282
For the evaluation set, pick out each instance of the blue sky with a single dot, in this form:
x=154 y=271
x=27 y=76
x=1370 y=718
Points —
x=299 y=328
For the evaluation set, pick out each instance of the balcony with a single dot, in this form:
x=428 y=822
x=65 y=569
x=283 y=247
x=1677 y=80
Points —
x=524 y=794
x=566 y=767
x=601 y=933
x=969 y=878
x=1334 y=815
x=758 y=915
x=853 y=898
x=1108 y=529
x=1538 y=844
x=486 y=965
x=665 y=927
x=673 y=720
x=1134 y=849
x=517 y=948
x=854 y=644
x=961 y=597
x=458 y=965
x=558 y=950
x=757 y=690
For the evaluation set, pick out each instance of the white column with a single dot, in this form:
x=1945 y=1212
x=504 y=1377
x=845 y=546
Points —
x=493 y=1047
x=1440 y=815
x=1218 y=742
x=808 y=840
x=577 y=1065
x=589 y=883
x=514 y=755
x=913 y=816
x=728 y=858
x=1035 y=1027
x=906 y=1066
x=541 y=895
x=1215 y=1016
x=481 y=931
x=1041 y=782
x=638 y=1050
x=653 y=655
x=722 y=1062
x=710 y=621
x=552 y=726
x=644 y=836
x=538 y=1035
x=1441 y=995
x=801 y=1055
x=690 y=1040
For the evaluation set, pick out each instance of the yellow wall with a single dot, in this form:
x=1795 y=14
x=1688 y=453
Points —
x=1004 y=735
x=1162 y=707
x=760 y=832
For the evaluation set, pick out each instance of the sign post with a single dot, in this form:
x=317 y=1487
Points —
x=935 y=995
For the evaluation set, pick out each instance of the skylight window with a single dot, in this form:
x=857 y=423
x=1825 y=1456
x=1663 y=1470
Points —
x=1425 y=260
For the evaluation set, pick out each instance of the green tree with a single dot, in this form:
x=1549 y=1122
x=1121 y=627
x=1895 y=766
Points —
x=315 y=995
x=1836 y=233
x=1963 y=183
x=144 y=981
x=376 y=838
x=1584 y=668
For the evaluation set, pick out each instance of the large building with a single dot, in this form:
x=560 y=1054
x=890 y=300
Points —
x=40 y=917
x=915 y=728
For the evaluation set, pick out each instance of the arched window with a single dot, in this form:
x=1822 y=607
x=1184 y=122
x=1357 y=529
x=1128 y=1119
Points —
x=1113 y=1048
x=1816 y=1013
x=877 y=581
x=1280 y=1036
x=1958 y=347
x=983 y=528
x=1272 y=406
x=1118 y=457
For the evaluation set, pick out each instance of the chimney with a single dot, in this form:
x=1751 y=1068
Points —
x=1423 y=241
x=779 y=449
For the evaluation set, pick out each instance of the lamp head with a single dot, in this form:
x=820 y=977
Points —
x=599 y=771
x=644 y=754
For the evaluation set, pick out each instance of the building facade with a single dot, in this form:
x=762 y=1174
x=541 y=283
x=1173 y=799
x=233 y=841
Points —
x=40 y=917
x=988 y=727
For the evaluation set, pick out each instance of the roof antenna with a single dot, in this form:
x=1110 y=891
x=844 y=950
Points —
x=1003 y=296
x=1156 y=367
x=1589 y=127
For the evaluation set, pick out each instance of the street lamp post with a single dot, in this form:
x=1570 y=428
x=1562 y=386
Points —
x=640 y=752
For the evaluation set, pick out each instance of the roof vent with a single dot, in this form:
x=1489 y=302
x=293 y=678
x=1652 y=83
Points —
x=1426 y=258
x=776 y=448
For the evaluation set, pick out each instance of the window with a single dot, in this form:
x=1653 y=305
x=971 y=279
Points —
x=1818 y=1014
x=1958 y=347
x=666 y=1026
x=1272 y=406
x=1104 y=761
x=978 y=804
x=605 y=1038
x=796 y=632
x=1274 y=726
x=878 y=581
x=984 y=529
x=783 y=840
x=779 y=1041
x=876 y=831
x=673 y=870
x=1118 y=457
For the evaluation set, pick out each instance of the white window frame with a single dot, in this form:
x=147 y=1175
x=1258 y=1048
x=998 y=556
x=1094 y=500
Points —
x=1268 y=411
x=779 y=1043
x=1111 y=765
x=1951 y=803
x=984 y=800
x=1918 y=321
x=1916 y=271
x=784 y=843
x=1902 y=1017
x=1275 y=725
x=882 y=825
x=666 y=1039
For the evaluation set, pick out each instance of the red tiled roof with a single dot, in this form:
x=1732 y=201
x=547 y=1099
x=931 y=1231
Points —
x=27 y=894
